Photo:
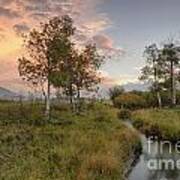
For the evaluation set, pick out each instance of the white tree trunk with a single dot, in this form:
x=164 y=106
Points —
x=47 y=112
x=159 y=99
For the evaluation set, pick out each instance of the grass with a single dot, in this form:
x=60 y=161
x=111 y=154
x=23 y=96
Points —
x=164 y=123
x=91 y=146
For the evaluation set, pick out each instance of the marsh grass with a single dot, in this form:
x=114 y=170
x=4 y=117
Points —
x=163 y=123
x=95 y=145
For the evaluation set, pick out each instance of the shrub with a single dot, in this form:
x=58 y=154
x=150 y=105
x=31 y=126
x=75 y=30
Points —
x=129 y=101
x=115 y=92
x=124 y=114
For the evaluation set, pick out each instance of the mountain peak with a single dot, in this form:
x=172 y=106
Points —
x=7 y=94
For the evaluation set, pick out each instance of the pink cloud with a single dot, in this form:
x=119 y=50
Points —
x=89 y=22
x=106 y=43
x=109 y=81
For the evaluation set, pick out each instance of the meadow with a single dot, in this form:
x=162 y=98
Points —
x=163 y=123
x=91 y=146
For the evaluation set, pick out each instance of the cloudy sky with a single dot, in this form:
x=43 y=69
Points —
x=120 y=27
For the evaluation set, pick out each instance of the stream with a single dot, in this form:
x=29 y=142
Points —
x=157 y=155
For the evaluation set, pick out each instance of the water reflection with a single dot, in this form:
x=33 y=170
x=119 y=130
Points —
x=141 y=170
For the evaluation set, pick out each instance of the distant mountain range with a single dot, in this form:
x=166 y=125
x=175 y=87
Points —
x=128 y=87
x=6 y=94
x=136 y=86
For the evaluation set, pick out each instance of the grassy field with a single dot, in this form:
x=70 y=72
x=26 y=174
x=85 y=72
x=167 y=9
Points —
x=92 y=146
x=163 y=123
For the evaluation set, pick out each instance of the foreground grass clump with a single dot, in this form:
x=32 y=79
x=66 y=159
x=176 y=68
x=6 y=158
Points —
x=162 y=123
x=94 y=145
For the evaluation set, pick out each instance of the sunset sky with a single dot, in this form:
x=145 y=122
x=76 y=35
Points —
x=120 y=27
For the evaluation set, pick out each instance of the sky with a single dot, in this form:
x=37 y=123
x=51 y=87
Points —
x=121 y=28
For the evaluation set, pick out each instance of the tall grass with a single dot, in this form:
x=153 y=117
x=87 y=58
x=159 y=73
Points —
x=163 y=123
x=92 y=146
